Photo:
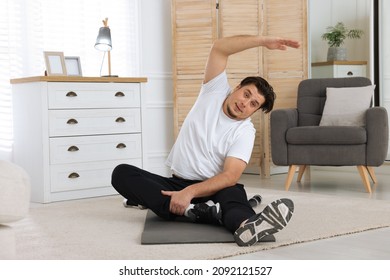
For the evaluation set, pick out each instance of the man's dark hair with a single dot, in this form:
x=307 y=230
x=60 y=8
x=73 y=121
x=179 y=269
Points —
x=265 y=89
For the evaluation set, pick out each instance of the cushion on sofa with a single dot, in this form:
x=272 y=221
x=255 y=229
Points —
x=346 y=106
x=326 y=135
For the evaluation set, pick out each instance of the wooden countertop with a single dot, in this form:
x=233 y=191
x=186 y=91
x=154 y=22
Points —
x=79 y=79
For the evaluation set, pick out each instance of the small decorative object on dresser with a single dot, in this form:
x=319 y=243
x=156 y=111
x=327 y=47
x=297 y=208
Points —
x=55 y=63
x=73 y=66
x=71 y=132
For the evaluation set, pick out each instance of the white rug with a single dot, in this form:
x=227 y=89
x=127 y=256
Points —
x=101 y=228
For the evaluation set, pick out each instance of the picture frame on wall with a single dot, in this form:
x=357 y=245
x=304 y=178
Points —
x=55 y=63
x=73 y=66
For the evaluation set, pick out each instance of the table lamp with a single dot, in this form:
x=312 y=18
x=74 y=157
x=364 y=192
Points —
x=103 y=43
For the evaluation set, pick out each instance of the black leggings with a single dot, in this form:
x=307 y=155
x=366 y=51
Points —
x=144 y=188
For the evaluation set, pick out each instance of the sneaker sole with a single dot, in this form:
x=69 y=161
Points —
x=271 y=220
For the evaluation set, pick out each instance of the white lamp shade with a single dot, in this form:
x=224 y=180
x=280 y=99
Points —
x=103 y=40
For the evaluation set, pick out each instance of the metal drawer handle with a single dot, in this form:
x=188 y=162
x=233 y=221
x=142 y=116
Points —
x=120 y=120
x=350 y=73
x=72 y=121
x=120 y=146
x=119 y=94
x=71 y=94
x=73 y=149
x=73 y=175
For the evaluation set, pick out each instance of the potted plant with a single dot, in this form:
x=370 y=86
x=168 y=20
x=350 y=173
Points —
x=335 y=37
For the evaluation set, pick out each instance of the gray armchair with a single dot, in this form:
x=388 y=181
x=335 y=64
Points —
x=297 y=140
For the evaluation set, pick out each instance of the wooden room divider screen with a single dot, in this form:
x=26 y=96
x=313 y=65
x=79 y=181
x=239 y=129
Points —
x=195 y=26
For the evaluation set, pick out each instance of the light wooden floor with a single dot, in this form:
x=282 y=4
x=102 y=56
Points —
x=338 y=181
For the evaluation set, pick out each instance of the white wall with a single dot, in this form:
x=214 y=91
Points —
x=156 y=65
x=384 y=57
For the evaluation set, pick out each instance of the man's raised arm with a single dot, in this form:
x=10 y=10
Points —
x=224 y=47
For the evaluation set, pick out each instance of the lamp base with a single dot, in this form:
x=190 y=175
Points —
x=110 y=76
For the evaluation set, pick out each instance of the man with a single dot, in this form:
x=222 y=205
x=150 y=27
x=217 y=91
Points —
x=211 y=152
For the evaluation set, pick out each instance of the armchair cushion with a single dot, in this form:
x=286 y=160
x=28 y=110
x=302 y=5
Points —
x=346 y=106
x=326 y=135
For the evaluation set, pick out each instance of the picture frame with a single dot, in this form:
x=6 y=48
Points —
x=73 y=66
x=55 y=63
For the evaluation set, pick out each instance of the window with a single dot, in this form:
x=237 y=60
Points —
x=28 y=28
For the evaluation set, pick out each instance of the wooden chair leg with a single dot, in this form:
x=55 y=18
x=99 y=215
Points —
x=290 y=176
x=301 y=171
x=371 y=172
x=364 y=174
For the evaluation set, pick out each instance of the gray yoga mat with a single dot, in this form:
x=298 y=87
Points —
x=160 y=231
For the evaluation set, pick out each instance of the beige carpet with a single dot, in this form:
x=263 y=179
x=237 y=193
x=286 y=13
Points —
x=101 y=228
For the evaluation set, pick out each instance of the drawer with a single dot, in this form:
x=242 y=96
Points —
x=344 y=71
x=71 y=177
x=95 y=148
x=94 y=121
x=93 y=95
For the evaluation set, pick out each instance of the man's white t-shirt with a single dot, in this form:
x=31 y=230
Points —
x=208 y=135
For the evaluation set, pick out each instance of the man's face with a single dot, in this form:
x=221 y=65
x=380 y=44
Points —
x=243 y=102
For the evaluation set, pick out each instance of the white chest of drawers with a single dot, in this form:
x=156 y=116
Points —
x=339 y=69
x=71 y=132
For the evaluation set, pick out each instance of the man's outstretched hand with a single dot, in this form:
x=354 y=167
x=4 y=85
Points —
x=278 y=43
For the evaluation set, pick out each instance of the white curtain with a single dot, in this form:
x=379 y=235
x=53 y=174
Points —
x=30 y=27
